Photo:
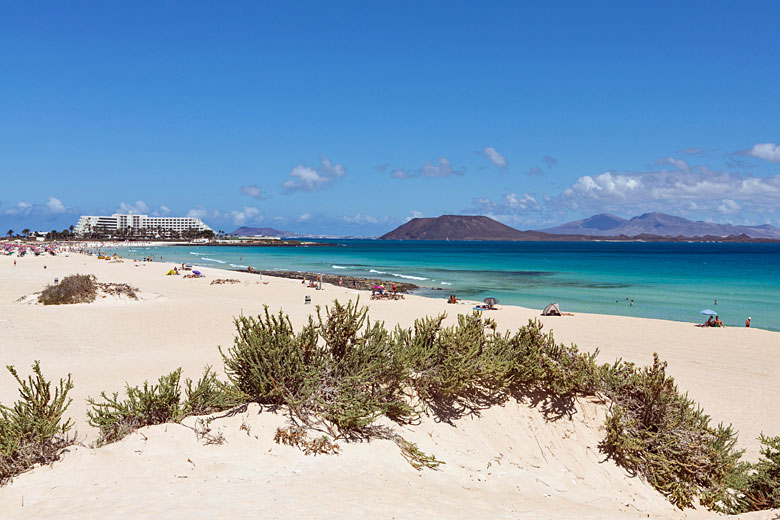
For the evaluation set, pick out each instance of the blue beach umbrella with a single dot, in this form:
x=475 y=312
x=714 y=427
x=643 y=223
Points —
x=708 y=311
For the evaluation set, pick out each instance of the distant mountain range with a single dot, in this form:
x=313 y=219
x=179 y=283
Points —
x=659 y=224
x=262 y=231
x=648 y=227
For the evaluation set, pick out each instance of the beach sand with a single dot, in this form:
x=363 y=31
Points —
x=508 y=463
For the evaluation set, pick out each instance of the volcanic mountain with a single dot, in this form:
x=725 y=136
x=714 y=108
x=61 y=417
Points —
x=659 y=224
x=265 y=231
x=458 y=227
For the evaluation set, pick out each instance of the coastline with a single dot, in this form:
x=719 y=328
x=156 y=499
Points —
x=180 y=322
x=697 y=356
x=593 y=278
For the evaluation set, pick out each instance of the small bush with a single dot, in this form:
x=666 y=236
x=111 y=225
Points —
x=268 y=361
x=761 y=487
x=160 y=403
x=342 y=384
x=210 y=395
x=77 y=288
x=32 y=432
x=153 y=404
x=658 y=432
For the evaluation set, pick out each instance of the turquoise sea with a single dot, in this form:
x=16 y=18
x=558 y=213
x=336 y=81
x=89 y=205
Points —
x=672 y=281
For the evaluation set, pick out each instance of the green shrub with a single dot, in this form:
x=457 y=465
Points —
x=269 y=362
x=77 y=288
x=210 y=395
x=340 y=373
x=153 y=404
x=32 y=431
x=160 y=403
x=761 y=486
x=656 y=431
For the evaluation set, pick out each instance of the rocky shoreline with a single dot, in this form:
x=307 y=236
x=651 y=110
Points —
x=364 y=284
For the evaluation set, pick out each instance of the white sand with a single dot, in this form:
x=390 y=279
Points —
x=544 y=469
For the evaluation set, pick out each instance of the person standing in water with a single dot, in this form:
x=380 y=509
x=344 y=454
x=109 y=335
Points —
x=747 y=322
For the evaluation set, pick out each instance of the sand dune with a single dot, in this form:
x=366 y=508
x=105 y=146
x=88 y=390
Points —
x=509 y=463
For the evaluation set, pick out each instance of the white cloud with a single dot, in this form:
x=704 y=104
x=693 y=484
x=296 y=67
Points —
x=252 y=190
x=305 y=217
x=413 y=214
x=729 y=207
x=677 y=163
x=495 y=157
x=441 y=168
x=22 y=209
x=197 y=213
x=766 y=151
x=55 y=205
x=613 y=185
x=400 y=173
x=138 y=208
x=248 y=214
x=682 y=190
x=307 y=178
x=510 y=204
x=52 y=206
x=142 y=208
x=359 y=218
x=515 y=202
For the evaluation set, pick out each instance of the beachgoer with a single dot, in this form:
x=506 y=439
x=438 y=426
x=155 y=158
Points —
x=747 y=322
x=631 y=304
x=718 y=322
x=340 y=280
x=716 y=301
x=354 y=284
x=710 y=322
x=393 y=288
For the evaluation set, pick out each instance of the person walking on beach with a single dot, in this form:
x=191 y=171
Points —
x=393 y=288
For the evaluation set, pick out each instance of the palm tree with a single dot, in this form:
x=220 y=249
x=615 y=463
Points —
x=26 y=232
x=10 y=232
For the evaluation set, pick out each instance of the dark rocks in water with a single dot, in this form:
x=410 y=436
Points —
x=346 y=281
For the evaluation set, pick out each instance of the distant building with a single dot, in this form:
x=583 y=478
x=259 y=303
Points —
x=139 y=225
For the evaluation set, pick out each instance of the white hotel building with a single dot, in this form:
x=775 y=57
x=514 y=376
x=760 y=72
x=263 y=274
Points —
x=141 y=224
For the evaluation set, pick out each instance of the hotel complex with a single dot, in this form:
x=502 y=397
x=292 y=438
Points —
x=138 y=224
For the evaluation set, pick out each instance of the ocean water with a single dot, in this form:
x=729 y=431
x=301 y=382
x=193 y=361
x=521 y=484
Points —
x=672 y=281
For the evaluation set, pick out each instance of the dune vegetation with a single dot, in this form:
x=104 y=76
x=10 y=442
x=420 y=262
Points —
x=341 y=373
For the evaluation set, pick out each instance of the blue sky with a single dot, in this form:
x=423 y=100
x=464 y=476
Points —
x=349 y=118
